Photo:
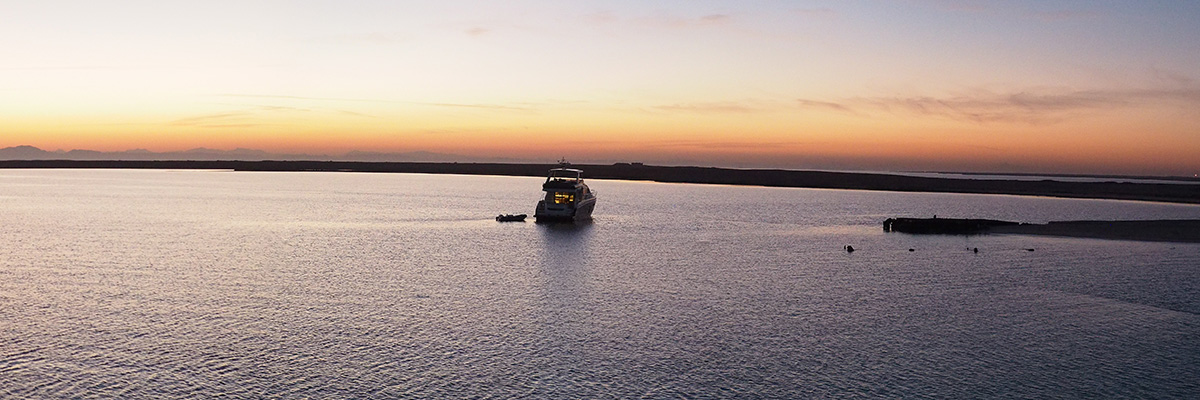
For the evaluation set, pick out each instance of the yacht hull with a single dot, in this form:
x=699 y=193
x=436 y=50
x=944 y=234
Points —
x=582 y=211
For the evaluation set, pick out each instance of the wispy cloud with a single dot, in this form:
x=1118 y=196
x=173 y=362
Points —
x=1022 y=107
x=479 y=106
x=687 y=144
x=231 y=126
x=707 y=108
x=267 y=109
x=499 y=107
x=257 y=115
x=667 y=21
x=276 y=96
x=1174 y=78
x=282 y=108
x=827 y=105
x=477 y=31
x=661 y=20
x=216 y=120
x=355 y=114
x=724 y=144
x=715 y=19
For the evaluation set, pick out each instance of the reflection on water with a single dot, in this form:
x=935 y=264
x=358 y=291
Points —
x=565 y=245
x=564 y=256
x=563 y=308
x=150 y=284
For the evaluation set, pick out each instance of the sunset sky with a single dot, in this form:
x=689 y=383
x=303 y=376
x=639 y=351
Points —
x=1021 y=86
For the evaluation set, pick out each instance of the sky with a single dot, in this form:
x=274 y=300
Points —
x=1000 y=86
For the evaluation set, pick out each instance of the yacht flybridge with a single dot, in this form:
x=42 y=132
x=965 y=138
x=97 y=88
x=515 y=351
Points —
x=567 y=197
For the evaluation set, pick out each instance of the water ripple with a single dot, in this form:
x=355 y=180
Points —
x=235 y=285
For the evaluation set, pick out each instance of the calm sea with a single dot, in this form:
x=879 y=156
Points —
x=169 y=284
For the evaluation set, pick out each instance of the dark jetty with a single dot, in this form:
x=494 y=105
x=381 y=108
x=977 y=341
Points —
x=942 y=225
x=1187 y=231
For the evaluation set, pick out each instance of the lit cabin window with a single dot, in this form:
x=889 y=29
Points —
x=564 y=198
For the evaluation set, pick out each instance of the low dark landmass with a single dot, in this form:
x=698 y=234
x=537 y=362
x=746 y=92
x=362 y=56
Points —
x=1161 y=192
x=1187 y=231
x=1088 y=176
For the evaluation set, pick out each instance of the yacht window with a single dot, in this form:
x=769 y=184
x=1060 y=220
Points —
x=564 y=198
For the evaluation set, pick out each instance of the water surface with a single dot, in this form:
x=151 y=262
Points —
x=150 y=284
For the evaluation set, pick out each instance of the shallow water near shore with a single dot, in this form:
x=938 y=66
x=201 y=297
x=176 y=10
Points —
x=151 y=284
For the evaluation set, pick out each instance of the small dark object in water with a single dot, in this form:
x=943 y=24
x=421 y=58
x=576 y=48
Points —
x=510 y=217
x=912 y=249
x=1028 y=249
x=849 y=249
x=976 y=249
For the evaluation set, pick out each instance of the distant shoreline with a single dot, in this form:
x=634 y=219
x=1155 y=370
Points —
x=1045 y=175
x=1156 y=192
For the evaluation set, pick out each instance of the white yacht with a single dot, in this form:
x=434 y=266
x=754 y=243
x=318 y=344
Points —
x=567 y=197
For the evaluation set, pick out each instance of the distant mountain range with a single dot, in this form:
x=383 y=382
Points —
x=205 y=154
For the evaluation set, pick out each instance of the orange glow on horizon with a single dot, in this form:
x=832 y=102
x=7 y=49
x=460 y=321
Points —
x=764 y=139
x=724 y=84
